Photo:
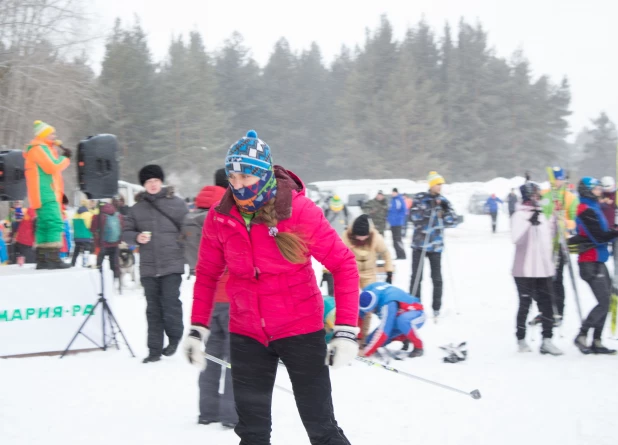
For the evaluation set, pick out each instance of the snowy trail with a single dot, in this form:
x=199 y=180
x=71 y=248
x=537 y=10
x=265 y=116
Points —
x=108 y=397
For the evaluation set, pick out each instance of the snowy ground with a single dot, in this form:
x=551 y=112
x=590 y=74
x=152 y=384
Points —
x=109 y=397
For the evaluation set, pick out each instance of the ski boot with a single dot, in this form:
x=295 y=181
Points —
x=151 y=358
x=522 y=346
x=416 y=352
x=580 y=342
x=547 y=347
x=598 y=348
x=170 y=349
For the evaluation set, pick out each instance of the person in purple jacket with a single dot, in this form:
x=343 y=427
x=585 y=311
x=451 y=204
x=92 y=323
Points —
x=533 y=267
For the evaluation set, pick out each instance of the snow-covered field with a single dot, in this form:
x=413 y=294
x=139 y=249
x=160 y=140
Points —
x=111 y=398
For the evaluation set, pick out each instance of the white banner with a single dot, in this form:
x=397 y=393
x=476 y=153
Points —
x=41 y=310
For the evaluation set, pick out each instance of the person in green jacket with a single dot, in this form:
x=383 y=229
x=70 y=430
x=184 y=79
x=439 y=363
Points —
x=561 y=203
x=82 y=221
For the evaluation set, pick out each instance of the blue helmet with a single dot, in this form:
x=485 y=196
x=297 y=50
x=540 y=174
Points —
x=368 y=301
x=559 y=173
x=586 y=185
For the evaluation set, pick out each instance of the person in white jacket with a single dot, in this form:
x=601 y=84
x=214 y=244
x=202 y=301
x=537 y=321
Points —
x=533 y=267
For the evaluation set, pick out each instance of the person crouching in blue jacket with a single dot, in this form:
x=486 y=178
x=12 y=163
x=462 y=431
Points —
x=401 y=316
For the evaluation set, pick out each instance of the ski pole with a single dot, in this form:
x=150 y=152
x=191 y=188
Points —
x=476 y=394
x=450 y=273
x=421 y=262
x=225 y=364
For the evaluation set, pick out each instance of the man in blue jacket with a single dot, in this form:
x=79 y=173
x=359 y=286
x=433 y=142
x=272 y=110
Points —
x=492 y=206
x=397 y=219
x=431 y=213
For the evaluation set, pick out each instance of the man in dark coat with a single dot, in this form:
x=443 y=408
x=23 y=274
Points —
x=377 y=209
x=154 y=224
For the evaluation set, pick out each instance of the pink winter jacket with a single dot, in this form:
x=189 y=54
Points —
x=271 y=298
x=533 y=244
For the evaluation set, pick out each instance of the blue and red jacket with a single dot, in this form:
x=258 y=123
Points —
x=400 y=315
x=592 y=225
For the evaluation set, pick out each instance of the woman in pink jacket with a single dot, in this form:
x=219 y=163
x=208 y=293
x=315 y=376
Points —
x=533 y=267
x=265 y=231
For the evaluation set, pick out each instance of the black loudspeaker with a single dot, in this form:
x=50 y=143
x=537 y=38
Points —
x=12 y=178
x=97 y=166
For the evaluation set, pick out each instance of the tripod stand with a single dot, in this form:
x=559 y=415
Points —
x=106 y=317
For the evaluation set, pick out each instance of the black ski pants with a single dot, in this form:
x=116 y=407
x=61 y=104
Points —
x=559 y=283
x=435 y=262
x=80 y=246
x=254 y=367
x=597 y=276
x=215 y=407
x=494 y=221
x=396 y=232
x=163 y=310
x=539 y=290
x=112 y=253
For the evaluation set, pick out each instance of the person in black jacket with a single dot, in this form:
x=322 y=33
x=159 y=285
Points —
x=512 y=202
x=154 y=223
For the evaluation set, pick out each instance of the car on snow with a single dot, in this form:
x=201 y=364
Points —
x=477 y=205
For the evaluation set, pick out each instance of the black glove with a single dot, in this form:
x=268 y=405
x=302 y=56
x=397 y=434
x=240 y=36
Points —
x=68 y=153
x=389 y=277
x=534 y=219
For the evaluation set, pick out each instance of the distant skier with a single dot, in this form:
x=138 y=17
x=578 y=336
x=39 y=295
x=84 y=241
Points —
x=493 y=205
x=512 y=201
x=377 y=209
x=400 y=314
x=593 y=236
x=431 y=213
x=337 y=214
x=533 y=267
x=397 y=220
x=562 y=204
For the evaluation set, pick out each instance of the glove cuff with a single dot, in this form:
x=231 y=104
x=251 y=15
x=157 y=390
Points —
x=198 y=332
x=347 y=332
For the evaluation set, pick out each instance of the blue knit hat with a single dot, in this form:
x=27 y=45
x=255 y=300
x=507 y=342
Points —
x=249 y=156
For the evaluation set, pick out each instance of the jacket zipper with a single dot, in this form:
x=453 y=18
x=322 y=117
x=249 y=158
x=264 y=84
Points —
x=256 y=271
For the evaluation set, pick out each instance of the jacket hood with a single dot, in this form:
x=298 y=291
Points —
x=287 y=183
x=166 y=192
x=108 y=209
x=208 y=196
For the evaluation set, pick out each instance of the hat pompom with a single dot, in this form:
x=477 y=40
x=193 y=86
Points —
x=252 y=134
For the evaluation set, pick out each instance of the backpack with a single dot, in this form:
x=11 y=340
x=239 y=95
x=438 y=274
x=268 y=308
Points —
x=112 y=229
x=192 y=235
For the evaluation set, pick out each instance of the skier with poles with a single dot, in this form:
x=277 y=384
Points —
x=558 y=201
x=593 y=236
x=431 y=213
x=608 y=205
x=533 y=267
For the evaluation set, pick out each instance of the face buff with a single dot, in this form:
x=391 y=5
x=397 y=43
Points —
x=251 y=199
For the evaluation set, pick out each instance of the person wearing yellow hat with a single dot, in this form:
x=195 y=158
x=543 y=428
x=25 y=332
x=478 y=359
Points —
x=44 y=168
x=431 y=213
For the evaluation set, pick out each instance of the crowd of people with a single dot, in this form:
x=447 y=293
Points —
x=249 y=239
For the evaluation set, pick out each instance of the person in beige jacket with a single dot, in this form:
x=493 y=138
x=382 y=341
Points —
x=367 y=244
